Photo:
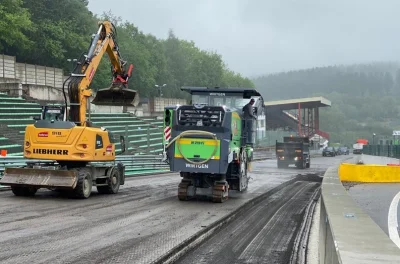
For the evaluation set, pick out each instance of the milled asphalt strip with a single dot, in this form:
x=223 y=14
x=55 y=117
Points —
x=299 y=253
x=177 y=252
x=393 y=221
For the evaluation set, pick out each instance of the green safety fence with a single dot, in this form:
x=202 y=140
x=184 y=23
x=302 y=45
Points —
x=269 y=138
x=392 y=151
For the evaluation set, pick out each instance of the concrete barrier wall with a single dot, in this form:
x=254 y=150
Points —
x=157 y=104
x=39 y=82
x=347 y=234
x=29 y=74
x=369 y=159
x=7 y=67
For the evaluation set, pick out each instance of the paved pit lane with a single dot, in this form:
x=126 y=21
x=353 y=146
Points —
x=140 y=224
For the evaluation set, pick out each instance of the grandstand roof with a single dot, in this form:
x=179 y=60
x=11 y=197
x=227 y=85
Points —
x=290 y=104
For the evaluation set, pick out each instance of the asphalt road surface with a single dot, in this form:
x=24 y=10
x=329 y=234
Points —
x=145 y=220
x=381 y=202
x=263 y=234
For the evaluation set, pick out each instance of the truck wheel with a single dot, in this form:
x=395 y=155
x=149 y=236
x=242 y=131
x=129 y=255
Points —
x=113 y=184
x=23 y=191
x=83 y=188
x=304 y=165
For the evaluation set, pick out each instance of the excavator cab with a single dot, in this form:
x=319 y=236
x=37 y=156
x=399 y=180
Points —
x=52 y=113
x=118 y=93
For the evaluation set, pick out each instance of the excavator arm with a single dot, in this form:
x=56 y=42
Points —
x=79 y=90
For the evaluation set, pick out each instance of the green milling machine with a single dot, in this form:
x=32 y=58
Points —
x=209 y=142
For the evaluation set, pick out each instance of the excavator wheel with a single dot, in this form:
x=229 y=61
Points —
x=113 y=184
x=23 y=191
x=84 y=185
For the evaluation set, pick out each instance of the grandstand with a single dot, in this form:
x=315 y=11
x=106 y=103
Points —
x=144 y=134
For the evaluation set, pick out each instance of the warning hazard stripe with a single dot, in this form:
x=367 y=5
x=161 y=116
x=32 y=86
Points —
x=167 y=133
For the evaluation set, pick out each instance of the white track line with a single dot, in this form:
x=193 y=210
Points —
x=392 y=220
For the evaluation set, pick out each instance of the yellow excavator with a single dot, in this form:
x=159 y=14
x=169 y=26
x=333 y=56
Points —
x=68 y=152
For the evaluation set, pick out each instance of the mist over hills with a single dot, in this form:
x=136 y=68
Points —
x=364 y=97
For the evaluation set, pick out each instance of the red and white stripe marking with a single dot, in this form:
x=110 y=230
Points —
x=167 y=133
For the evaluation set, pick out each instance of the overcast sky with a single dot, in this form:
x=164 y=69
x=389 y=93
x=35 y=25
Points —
x=256 y=37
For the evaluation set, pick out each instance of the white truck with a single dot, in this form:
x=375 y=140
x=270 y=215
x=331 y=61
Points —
x=357 y=148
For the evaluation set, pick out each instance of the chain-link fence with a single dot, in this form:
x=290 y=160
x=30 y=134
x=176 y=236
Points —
x=269 y=138
x=392 y=151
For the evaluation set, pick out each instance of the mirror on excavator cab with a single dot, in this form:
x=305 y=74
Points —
x=116 y=95
x=123 y=146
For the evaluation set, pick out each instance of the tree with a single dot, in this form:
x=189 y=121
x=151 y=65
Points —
x=62 y=30
x=15 y=24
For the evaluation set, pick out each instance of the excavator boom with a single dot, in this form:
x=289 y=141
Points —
x=117 y=94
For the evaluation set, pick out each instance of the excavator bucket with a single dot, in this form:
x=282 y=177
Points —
x=116 y=95
x=40 y=178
